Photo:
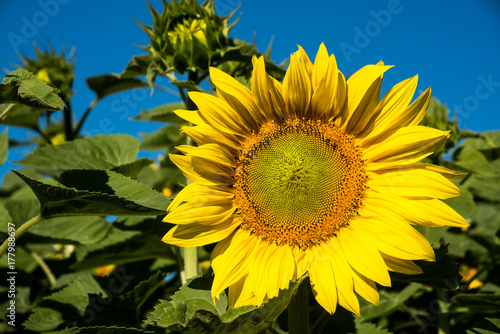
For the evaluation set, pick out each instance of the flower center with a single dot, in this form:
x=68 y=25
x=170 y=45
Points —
x=299 y=182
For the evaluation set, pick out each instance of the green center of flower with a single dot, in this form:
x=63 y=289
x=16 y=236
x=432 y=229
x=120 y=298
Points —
x=294 y=183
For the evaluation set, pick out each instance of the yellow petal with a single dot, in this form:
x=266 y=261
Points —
x=323 y=279
x=362 y=256
x=265 y=91
x=231 y=259
x=196 y=212
x=238 y=97
x=423 y=212
x=202 y=195
x=304 y=58
x=363 y=96
x=212 y=152
x=202 y=171
x=219 y=114
x=205 y=134
x=394 y=238
x=365 y=287
x=192 y=116
x=195 y=235
x=406 y=267
x=421 y=183
x=392 y=109
x=240 y=294
x=343 y=278
x=297 y=88
x=406 y=145
x=326 y=102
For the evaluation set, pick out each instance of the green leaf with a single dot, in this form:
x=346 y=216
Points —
x=140 y=246
x=4 y=146
x=22 y=210
x=138 y=66
x=164 y=113
x=103 y=330
x=107 y=84
x=389 y=302
x=472 y=160
x=165 y=138
x=23 y=87
x=132 y=169
x=71 y=301
x=487 y=188
x=443 y=273
x=84 y=230
x=475 y=303
x=486 y=326
x=123 y=309
x=463 y=204
x=19 y=115
x=368 y=328
x=97 y=152
x=192 y=307
x=95 y=192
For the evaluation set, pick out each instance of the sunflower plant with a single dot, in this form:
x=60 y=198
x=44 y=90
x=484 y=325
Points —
x=289 y=198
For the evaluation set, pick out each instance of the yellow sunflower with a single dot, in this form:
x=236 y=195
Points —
x=314 y=175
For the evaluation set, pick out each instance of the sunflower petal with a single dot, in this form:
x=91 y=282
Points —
x=363 y=96
x=363 y=257
x=343 y=278
x=421 y=183
x=239 y=97
x=323 y=279
x=297 y=88
x=231 y=259
x=195 y=235
x=406 y=267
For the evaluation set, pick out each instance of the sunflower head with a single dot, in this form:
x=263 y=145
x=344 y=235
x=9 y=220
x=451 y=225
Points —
x=57 y=70
x=186 y=36
x=315 y=175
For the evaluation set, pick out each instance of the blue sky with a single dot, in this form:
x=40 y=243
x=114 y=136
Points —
x=452 y=45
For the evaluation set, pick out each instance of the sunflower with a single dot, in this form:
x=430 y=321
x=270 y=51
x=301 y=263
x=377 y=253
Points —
x=316 y=175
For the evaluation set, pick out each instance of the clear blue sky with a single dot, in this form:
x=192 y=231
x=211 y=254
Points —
x=452 y=45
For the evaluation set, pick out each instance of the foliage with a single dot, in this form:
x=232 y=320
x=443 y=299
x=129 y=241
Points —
x=95 y=263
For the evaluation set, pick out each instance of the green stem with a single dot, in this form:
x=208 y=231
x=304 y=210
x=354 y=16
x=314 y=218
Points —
x=68 y=122
x=298 y=310
x=20 y=231
x=190 y=263
x=443 y=319
x=84 y=117
x=45 y=268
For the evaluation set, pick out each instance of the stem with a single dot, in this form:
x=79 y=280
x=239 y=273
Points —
x=320 y=322
x=20 y=231
x=85 y=115
x=443 y=319
x=298 y=310
x=68 y=122
x=45 y=268
x=190 y=263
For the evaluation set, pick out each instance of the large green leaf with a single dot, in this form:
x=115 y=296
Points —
x=473 y=160
x=487 y=188
x=71 y=301
x=133 y=168
x=84 y=230
x=123 y=309
x=164 y=113
x=23 y=87
x=192 y=307
x=97 y=152
x=389 y=302
x=140 y=246
x=475 y=303
x=19 y=115
x=165 y=138
x=107 y=84
x=4 y=146
x=96 y=192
